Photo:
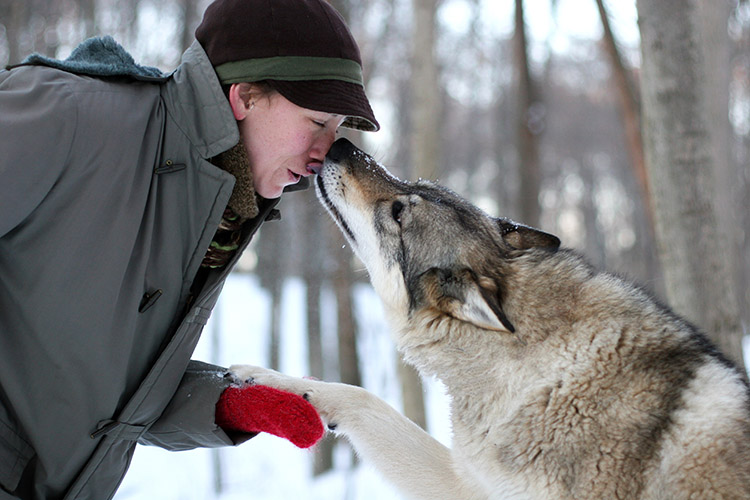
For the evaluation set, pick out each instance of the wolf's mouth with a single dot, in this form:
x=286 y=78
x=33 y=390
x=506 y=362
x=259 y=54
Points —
x=332 y=209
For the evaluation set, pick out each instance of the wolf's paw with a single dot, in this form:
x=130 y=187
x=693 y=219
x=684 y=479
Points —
x=258 y=375
x=312 y=390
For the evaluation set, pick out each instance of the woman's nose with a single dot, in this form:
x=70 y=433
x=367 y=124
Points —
x=324 y=143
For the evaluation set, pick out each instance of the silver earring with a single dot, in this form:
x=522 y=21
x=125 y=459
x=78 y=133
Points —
x=252 y=105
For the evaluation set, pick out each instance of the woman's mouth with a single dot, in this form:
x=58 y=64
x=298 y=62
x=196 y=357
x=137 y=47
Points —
x=314 y=168
x=310 y=169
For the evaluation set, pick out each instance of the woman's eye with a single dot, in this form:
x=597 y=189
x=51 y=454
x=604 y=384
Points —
x=319 y=123
x=396 y=209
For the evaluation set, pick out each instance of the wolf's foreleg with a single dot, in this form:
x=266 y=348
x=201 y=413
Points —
x=416 y=463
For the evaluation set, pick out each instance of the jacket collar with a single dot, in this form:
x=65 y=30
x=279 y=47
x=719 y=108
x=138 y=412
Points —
x=192 y=92
x=198 y=105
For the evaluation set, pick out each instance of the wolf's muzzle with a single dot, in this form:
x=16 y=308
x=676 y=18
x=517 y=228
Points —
x=341 y=150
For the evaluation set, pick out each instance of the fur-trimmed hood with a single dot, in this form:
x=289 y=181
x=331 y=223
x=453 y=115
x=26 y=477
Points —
x=100 y=56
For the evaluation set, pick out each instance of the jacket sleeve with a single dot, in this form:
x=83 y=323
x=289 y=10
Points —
x=37 y=127
x=188 y=421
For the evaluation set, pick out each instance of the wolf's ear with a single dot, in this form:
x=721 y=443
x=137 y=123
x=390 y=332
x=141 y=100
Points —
x=467 y=297
x=526 y=237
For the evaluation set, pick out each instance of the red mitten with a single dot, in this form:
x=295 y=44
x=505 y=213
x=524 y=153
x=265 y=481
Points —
x=259 y=408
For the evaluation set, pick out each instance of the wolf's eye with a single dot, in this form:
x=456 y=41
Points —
x=396 y=209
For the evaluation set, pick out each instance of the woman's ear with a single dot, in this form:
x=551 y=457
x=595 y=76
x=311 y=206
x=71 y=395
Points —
x=241 y=99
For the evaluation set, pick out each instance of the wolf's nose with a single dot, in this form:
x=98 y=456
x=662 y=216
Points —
x=340 y=150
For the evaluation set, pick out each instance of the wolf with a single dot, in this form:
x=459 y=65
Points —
x=565 y=382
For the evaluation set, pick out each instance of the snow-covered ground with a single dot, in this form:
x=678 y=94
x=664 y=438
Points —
x=267 y=467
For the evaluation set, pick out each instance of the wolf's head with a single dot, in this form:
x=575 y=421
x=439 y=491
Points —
x=425 y=247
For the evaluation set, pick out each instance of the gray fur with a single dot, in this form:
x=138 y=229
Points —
x=566 y=382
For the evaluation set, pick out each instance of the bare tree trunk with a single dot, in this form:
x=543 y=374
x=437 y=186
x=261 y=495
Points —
x=595 y=239
x=629 y=99
x=190 y=21
x=741 y=61
x=87 y=15
x=272 y=275
x=425 y=152
x=217 y=465
x=425 y=92
x=712 y=21
x=323 y=458
x=274 y=346
x=412 y=392
x=680 y=163
x=129 y=12
x=314 y=335
x=14 y=16
x=745 y=210
x=528 y=148
x=312 y=271
x=628 y=107
x=343 y=281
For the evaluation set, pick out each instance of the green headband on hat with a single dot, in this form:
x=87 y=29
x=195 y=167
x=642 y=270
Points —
x=303 y=49
x=290 y=68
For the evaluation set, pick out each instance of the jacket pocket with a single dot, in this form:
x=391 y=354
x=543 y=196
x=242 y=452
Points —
x=15 y=454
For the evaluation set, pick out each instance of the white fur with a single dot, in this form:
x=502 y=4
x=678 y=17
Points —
x=415 y=462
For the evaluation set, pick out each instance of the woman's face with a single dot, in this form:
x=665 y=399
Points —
x=284 y=142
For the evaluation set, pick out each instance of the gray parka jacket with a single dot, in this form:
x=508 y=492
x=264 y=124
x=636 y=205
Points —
x=107 y=207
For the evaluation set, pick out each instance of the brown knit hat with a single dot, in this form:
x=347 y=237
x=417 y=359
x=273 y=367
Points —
x=302 y=48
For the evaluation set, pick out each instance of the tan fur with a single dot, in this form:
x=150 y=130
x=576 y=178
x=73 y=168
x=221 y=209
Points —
x=565 y=382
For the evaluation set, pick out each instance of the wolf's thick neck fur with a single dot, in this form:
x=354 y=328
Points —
x=536 y=398
x=565 y=382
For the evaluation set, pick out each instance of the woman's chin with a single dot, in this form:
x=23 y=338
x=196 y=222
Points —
x=269 y=192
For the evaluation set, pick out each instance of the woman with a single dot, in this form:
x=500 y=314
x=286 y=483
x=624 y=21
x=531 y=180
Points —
x=126 y=197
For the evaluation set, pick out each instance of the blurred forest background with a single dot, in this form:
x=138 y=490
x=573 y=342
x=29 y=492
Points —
x=622 y=127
